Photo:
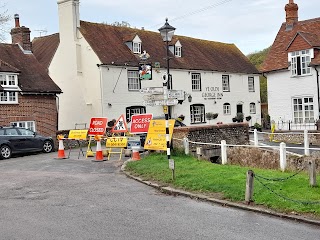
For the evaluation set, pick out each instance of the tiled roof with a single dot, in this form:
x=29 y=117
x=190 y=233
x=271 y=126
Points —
x=6 y=67
x=45 y=47
x=32 y=77
x=108 y=43
x=277 y=57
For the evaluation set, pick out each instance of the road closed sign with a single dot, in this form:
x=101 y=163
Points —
x=97 y=126
x=140 y=123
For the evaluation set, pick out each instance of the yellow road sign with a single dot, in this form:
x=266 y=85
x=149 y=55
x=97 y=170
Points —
x=78 y=134
x=116 y=142
x=156 y=137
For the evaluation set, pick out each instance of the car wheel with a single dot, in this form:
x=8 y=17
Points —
x=47 y=147
x=5 y=152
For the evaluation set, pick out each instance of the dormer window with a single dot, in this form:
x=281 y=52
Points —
x=178 y=49
x=300 y=61
x=136 y=45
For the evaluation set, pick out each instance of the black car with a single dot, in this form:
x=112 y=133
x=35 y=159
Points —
x=20 y=140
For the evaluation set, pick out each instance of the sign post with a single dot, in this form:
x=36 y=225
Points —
x=172 y=166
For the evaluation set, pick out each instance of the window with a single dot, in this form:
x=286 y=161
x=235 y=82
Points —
x=225 y=83
x=133 y=81
x=300 y=62
x=8 y=80
x=136 y=47
x=31 y=125
x=177 y=51
x=226 y=109
x=303 y=110
x=133 y=110
x=9 y=83
x=8 y=97
x=196 y=81
x=197 y=113
x=12 y=132
x=26 y=132
x=251 y=84
x=252 y=108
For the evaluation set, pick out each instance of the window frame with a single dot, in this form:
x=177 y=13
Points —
x=131 y=111
x=200 y=108
x=253 y=108
x=226 y=109
x=135 y=86
x=300 y=63
x=196 y=82
x=178 y=51
x=31 y=125
x=136 y=47
x=225 y=83
x=303 y=110
x=251 y=86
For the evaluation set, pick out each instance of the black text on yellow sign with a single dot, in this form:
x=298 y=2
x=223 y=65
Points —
x=116 y=142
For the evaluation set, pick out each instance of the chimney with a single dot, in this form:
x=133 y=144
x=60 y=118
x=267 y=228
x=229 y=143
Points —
x=21 y=35
x=291 y=9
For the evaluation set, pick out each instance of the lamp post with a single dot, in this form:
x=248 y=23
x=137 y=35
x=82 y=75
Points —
x=167 y=32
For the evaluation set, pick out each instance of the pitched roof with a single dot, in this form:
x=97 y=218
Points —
x=277 y=57
x=6 y=67
x=32 y=76
x=45 y=47
x=108 y=42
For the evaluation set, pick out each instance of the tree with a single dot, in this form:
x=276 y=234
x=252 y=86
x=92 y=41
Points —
x=4 y=19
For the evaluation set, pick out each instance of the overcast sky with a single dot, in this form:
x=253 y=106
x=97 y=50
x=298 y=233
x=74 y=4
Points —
x=250 y=24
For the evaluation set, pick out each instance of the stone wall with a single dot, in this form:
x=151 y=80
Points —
x=296 y=137
x=233 y=133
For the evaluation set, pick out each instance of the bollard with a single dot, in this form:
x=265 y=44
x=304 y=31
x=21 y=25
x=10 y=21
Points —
x=283 y=157
x=312 y=173
x=249 y=187
x=199 y=152
x=224 y=159
x=255 y=136
x=186 y=146
x=306 y=143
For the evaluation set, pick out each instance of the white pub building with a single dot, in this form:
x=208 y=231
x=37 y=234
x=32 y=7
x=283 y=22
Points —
x=106 y=71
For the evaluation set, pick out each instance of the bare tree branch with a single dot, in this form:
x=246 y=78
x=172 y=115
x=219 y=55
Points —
x=4 y=19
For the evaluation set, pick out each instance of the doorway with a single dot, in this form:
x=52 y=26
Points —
x=239 y=108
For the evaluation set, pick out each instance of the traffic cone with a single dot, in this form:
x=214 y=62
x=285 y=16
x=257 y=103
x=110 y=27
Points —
x=99 y=155
x=61 y=154
x=135 y=154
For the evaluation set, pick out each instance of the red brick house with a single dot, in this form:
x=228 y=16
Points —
x=28 y=96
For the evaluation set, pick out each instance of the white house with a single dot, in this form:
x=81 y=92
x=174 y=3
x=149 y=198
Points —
x=97 y=67
x=292 y=69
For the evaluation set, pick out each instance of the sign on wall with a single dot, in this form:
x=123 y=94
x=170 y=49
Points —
x=212 y=93
x=145 y=72
x=97 y=126
x=140 y=123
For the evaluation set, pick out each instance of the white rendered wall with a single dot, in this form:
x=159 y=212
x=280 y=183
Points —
x=282 y=88
x=115 y=92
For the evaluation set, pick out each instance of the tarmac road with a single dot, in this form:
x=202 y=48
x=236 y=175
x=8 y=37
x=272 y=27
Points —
x=45 y=198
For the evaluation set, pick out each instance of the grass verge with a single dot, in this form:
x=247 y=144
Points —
x=229 y=181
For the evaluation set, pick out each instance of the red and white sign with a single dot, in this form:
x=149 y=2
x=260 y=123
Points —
x=97 y=126
x=120 y=126
x=140 y=123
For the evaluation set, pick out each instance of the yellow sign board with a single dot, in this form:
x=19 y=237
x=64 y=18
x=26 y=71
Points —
x=78 y=134
x=116 y=142
x=156 y=137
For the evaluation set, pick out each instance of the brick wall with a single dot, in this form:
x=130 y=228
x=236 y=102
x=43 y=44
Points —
x=38 y=108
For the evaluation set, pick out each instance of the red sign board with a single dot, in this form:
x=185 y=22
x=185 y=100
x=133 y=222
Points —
x=140 y=123
x=97 y=126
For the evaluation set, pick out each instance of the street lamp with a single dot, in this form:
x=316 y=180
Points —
x=167 y=32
